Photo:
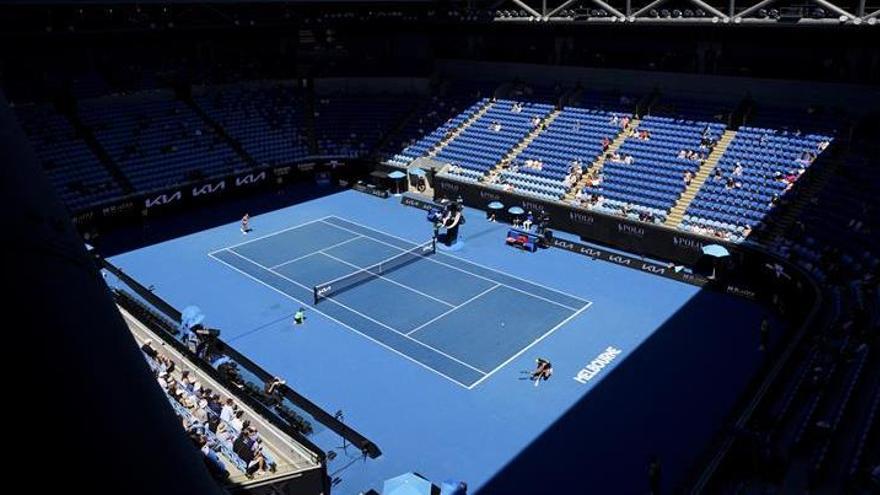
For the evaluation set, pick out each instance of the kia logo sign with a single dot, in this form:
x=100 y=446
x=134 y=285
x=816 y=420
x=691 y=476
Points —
x=163 y=199
x=250 y=179
x=208 y=189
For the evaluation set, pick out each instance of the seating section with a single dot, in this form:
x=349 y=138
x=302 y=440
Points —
x=756 y=170
x=605 y=100
x=574 y=136
x=489 y=138
x=431 y=120
x=840 y=217
x=422 y=146
x=216 y=425
x=647 y=176
x=76 y=173
x=268 y=120
x=352 y=125
x=158 y=141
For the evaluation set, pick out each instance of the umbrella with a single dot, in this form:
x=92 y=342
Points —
x=716 y=251
x=496 y=205
x=191 y=316
x=453 y=487
x=516 y=210
x=407 y=484
x=417 y=172
x=397 y=175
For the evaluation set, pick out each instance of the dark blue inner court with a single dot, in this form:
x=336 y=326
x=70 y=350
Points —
x=428 y=360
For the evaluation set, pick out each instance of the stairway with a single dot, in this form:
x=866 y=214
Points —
x=599 y=162
x=687 y=197
x=233 y=143
x=87 y=135
x=458 y=130
x=522 y=145
x=415 y=111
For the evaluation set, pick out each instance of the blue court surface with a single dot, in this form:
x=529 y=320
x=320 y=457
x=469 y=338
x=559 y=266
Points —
x=430 y=360
x=425 y=310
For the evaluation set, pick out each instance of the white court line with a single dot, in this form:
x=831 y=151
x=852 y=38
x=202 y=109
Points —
x=524 y=349
x=285 y=294
x=398 y=332
x=441 y=315
x=441 y=301
x=272 y=234
x=454 y=257
x=431 y=259
x=320 y=251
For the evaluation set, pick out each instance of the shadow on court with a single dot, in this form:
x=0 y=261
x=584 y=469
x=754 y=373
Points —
x=667 y=398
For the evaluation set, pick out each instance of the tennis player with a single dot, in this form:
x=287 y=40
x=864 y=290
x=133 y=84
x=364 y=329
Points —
x=299 y=317
x=244 y=224
x=543 y=371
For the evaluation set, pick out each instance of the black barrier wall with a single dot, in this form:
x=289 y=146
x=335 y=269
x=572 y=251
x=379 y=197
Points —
x=621 y=233
x=217 y=188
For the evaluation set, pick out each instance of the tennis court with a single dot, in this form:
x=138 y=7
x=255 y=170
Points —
x=458 y=319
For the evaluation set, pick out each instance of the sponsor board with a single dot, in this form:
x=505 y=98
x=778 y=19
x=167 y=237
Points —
x=373 y=191
x=417 y=203
x=163 y=199
x=208 y=189
x=250 y=179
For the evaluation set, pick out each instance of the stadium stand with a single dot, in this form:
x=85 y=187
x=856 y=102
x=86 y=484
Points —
x=351 y=125
x=553 y=162
x=430 y=119
x=157 y=140
x=75 y=172
x=237 y=445
x=492 y=136
x=758 y=167
x=268 y=120
x=646 y=177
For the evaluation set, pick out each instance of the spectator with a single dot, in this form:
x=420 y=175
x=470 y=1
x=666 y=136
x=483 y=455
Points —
x=147 y=348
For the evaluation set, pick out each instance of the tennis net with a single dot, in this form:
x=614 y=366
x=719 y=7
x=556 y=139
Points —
x=337 y=285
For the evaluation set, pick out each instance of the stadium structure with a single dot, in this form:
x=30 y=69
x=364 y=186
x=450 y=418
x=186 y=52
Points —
x=421 y=247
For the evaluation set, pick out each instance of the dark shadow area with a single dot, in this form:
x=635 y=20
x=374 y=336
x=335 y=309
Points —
x=158 y=229
x=668 y=399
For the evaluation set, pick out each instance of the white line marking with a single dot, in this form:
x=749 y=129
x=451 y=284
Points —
x=270 y=235
x=395 y=351
x=524 y=349
x=330 y=299
x=387 y=279
x=432 y=259
x=316 y=252
x=453 y=257
x=441 y=315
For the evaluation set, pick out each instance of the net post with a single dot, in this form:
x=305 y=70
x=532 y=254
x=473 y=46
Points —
x=315 y=294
